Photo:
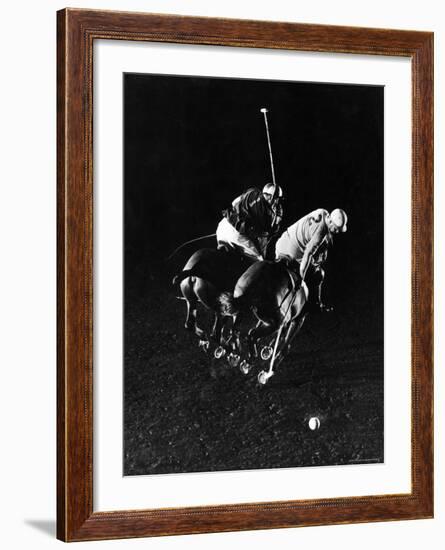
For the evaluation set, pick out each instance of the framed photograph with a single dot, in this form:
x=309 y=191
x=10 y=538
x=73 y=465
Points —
x=245 y=231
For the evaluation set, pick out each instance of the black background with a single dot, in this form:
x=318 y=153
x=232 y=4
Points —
x=191 y=145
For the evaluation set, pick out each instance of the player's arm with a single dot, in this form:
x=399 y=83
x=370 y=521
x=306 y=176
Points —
x=258 y=218
x=276 y=219
x=311 y=249
x=236 y=201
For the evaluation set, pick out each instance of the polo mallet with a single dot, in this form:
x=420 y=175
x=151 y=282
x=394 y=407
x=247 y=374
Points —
x=265 y=111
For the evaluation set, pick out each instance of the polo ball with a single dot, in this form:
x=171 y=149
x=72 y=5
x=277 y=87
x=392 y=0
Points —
x=314 y=423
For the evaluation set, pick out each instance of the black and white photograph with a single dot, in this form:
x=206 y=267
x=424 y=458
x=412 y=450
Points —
x=253 y=274
x=221 y=233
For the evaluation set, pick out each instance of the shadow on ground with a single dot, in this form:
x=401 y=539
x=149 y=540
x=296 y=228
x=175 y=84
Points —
x=46 y=526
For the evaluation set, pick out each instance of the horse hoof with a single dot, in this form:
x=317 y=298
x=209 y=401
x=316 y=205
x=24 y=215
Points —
x=219 y=352
x=204 y=345
x=233 y=359
x=266 y=353
x=263 y=377
x=245 y=367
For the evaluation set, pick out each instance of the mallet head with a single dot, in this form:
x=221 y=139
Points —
x=264 y=110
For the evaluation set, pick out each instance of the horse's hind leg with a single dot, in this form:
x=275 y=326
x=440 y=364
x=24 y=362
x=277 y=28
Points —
x=192 y=306
x=187 y=292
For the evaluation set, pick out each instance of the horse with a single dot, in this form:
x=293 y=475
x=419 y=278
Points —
x=277 y=297
x=208 y=273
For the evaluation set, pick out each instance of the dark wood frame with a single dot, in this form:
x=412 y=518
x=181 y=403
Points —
x=77 y=30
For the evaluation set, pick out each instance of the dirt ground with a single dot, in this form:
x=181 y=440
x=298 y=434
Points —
x=184 y=411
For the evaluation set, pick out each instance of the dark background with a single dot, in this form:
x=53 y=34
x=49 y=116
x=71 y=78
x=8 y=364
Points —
x=192 y=145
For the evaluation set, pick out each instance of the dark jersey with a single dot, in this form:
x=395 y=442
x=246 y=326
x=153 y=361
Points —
x=251 y=214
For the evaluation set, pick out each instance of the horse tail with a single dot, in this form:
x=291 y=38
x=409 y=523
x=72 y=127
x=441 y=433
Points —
x=177 y=279
x=228 y=305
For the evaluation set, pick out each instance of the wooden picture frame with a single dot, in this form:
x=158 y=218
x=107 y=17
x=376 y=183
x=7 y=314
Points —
x=77 y=31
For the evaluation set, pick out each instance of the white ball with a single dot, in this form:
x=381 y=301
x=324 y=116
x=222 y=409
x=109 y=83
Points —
x=314 y=423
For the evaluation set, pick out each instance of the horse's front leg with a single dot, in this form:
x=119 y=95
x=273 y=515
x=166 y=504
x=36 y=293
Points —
x=217 y=327
x=292 y=331
x=234 y=339
x=263 y=328
x=252 y=340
